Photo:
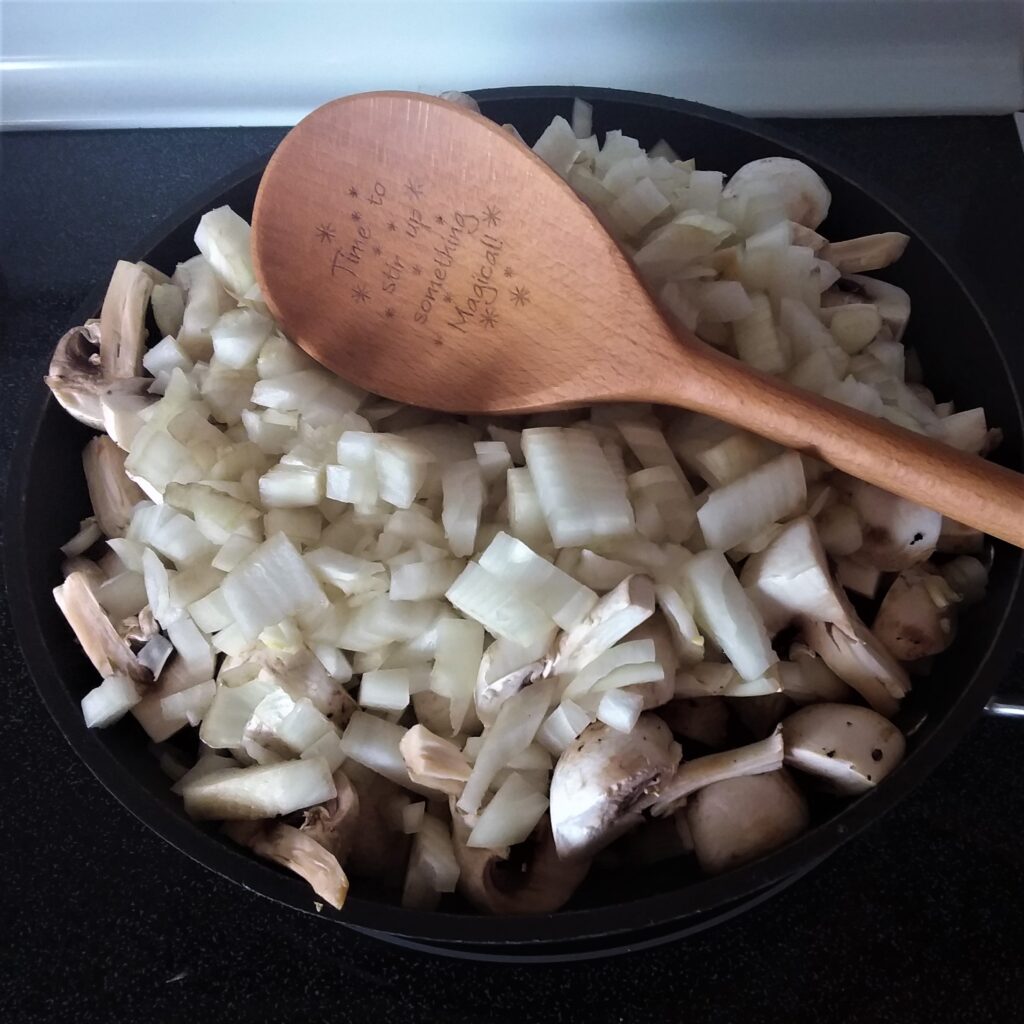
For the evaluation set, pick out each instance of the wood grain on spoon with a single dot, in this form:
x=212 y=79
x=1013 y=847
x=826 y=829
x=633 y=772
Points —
x=420 y=251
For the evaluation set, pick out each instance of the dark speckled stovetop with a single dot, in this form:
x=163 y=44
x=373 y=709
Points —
x=919 y=919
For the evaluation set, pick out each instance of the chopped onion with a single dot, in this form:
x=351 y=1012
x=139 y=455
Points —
x=510 y=816
x=385 y=689
x=109 y=702
x=725 y=612
x=269 y=585
x=191 y=703
x=262 y=791
x=517 y=566
x=746 y=506
x=232 y=706
x=460 y=646
x=581 y=496
x=463 y=488
x=512 y=732
x=620 y=709
x=562 y=726
x=502 y=612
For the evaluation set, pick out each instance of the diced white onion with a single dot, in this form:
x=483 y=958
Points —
x=110 y=701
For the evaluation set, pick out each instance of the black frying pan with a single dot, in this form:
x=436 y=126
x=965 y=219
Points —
x=613 y=912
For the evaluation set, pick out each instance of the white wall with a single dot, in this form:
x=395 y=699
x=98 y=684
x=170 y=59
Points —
x=151 y=62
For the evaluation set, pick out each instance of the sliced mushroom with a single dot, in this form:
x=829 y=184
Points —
x=333 y=825
x=534 y=880
x=738 y=820
x=112 y=495
x=702 y=719
x=917 y=617
x=380 y=848
x=299 y=852
x=123 y=319
x=805 y=196
x=78 y=380
x=604 y=780
x=806 y=679
x=807 y=237
x=434 y=762
x=505 y=669
x=896 y=533
x=892 y=302
x=870 y=252
x=753 y=759
x=103 y=646
x=851 y=748
x=790 y=582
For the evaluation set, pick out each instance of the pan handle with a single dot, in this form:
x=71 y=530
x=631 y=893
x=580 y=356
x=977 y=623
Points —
x=1005 y=708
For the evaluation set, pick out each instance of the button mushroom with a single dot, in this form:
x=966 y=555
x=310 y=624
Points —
x=505 y=669
x=122 y=321
x=917 y=617
x=605 y=779
x=870 y=252
x=804 y=195
x=111 y=493
x=849 y=747
x=299 y=852
x=535 y=880
x=104 y=647
x=78 y=379
x=790 y=582
x=738 y=820
x=333 y=824
x=892 y=302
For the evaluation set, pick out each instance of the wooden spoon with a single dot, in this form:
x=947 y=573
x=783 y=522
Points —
x=423 y=253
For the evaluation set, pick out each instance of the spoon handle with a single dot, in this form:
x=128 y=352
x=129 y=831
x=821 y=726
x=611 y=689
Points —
x=963 y=487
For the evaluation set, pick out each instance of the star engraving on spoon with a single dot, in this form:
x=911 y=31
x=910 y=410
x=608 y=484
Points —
x=520 y=296
x=414 y=189
x=360 y=294
x=492 y=216
x=489 y=318
x=325 y=232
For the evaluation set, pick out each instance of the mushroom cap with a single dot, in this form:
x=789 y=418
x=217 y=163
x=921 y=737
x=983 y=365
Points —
x=917 y=616
x=851 y=748
x=805 y=196
x=603 y=781
x=333 y=824
x=738 y=820
x=535 y=881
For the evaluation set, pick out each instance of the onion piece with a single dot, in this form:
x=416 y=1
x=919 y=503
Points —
x=725 y=612
x=261 y=791
x=512 y=732
x=109 y=702
x=774 y=491
x=581 y=497
x=517 y=566
x=510 y=816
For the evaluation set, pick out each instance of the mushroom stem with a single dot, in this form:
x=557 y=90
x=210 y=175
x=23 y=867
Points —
x=109 y=654
x=753 y=759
